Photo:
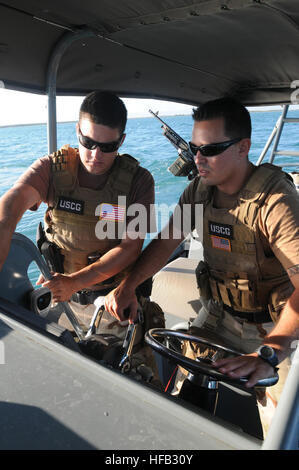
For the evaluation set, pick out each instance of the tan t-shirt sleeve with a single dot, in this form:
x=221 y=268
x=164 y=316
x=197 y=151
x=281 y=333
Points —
x=188 y=198
x=279 y=223
x=38 y=176
x=141 y=202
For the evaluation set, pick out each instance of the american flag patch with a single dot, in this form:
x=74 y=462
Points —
x=221 y=243
x=112 y=212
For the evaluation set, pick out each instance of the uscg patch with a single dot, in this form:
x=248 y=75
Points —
x=221 y=235
x=221 y=230
x=68 y=204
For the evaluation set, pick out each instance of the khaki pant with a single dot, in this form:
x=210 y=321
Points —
x=212 y=322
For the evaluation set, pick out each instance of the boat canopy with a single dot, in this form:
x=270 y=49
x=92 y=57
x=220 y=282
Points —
x=179 y=50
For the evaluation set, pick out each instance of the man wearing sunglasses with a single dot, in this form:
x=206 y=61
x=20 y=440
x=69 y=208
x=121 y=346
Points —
x=82 y=188
x=249 y=279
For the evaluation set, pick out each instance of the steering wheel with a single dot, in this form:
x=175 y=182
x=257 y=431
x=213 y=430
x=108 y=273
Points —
x=202 y=366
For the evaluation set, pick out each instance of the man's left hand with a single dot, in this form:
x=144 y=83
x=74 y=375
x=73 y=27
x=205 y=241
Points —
x=249 y=365
x=61 y=286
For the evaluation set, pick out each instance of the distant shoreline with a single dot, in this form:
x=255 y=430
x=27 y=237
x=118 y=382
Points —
x=74 y=122
x=137 y=117
x=33 y=124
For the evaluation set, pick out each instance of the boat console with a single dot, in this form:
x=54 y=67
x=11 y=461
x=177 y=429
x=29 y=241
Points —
x=33 y=307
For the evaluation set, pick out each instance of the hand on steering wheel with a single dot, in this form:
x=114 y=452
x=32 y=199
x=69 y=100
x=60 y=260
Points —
x=202 y=366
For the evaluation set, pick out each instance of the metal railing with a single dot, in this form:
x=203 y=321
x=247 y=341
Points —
x=275 y=136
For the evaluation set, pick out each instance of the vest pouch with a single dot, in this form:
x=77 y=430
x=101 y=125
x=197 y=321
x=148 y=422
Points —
x=53 y=257
x=50 y=251
x=244 y=295
x=278 y=298
x=240 y=294
x=152 y=313
x=203 y=280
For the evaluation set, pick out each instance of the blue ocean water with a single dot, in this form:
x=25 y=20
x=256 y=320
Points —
x=21 y=145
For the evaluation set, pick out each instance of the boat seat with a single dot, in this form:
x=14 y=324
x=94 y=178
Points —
x=175 y=289
x=195 y=249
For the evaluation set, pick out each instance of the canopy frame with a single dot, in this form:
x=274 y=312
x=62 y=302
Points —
x=62 y=45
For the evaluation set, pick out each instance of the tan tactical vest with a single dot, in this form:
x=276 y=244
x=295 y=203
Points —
x=71 y=223
x=240 y=274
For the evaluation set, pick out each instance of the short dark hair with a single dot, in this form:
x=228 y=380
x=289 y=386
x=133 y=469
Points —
x=237 y=121
x=105 y=108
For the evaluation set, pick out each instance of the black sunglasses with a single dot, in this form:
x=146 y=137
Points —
x=105 y=147
x=210 y=150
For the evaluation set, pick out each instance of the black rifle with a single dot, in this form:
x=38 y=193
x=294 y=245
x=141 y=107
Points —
x=184 y=164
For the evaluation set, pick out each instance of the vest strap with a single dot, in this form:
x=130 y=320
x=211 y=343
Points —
x=262 y=316
x=229 y=285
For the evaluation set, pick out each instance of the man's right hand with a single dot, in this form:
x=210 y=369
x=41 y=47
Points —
x=121 y=299
x=152 y=259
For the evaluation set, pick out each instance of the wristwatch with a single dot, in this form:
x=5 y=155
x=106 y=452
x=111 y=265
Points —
x=268 y=354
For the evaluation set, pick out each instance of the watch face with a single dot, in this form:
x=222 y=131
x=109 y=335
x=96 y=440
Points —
x=266 y=351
